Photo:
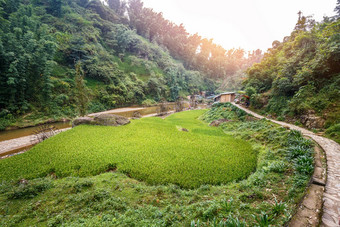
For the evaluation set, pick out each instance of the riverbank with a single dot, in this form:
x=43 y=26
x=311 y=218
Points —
x=14 y=146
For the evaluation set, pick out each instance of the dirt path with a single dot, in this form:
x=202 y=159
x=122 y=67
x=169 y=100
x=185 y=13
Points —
x=331 y=196
x=119 y=110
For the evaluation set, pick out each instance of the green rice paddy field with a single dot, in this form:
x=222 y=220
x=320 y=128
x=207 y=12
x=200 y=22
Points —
x=154 y=150
x=246 y=172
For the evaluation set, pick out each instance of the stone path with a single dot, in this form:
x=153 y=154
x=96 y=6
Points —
x=331 y=196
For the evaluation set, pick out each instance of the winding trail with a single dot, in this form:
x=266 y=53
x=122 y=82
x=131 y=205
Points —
x=331 y=199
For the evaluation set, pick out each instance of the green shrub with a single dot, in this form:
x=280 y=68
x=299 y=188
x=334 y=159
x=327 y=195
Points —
x=277 y=166
x=149 y=102
x=227 y=205
x=278 y=208
x=6 y=118
x=28 y=189
x=277 y=105
x=230 y=222
x=304 y=164
x=263 y=220
x=334 y=132
x=250 y=91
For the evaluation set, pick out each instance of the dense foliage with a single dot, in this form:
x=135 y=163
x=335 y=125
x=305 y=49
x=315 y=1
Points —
x=269 y=195
x=196 y=52
x=150 y=149
x=127 y=53
x=300 y=75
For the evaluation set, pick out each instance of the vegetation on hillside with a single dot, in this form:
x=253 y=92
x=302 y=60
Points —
x=269 y=195
x=128 y=54
x=301 y=75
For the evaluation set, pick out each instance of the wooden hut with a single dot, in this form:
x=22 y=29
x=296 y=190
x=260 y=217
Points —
x=225 y=97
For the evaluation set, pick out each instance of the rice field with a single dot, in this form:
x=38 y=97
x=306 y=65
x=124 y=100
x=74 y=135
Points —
x=153 y=150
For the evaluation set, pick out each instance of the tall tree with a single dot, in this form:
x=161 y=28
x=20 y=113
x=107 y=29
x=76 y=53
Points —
x=118 y=6
x=337 y=9
x=55 y=8
x=81 y=96
x=135 y=14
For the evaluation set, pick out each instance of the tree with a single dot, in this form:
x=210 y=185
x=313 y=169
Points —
x=55 y=8
x=81 y=96
x=304 y=23
x=337 y=9
x=135 y=14
x=118 y=6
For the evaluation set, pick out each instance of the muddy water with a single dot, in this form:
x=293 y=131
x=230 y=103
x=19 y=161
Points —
x=16 y=133
x=145 y=111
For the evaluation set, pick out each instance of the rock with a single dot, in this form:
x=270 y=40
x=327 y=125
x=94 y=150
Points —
x=110 y=120
x=82 y=121
x=312 y=121
x=23 y=181
x=250 y=118
x=318 y=181
x=102 y=119
x=136 y=115
x=218 y=122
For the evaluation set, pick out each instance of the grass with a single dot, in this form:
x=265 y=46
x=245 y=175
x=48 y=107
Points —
x=268 y=196
x=150 y=149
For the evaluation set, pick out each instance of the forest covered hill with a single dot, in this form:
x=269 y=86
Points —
x=298 y=79
x=61 y=58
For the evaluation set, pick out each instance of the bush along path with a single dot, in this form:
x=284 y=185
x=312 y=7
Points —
x=331 y=196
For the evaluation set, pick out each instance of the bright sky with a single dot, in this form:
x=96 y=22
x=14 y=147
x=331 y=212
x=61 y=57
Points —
x=249 y=24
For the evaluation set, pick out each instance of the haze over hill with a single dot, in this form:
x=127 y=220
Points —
x=247 y=24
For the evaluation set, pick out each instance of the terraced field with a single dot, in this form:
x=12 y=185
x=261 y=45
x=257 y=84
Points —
x=154 y=150
x=161 y=175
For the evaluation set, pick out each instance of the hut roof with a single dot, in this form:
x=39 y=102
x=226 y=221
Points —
x=225 y=93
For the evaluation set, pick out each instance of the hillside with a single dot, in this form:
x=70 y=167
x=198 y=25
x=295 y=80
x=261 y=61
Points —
x=61 y=58
x=299 y=79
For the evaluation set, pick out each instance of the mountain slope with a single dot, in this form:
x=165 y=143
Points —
x=41 y=42
x=299 y=79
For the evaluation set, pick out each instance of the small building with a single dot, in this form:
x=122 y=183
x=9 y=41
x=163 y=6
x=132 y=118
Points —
x=225 y=97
